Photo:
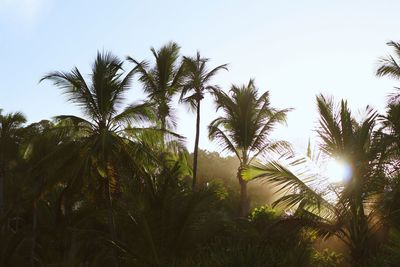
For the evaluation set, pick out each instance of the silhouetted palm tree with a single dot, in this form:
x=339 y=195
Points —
x=245 y=127
x=196 y=84
x=10 y=137
x=353 y=217
x=162 y=80
x=389 y=66
x=104 y=136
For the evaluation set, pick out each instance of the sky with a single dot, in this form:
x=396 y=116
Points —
x=294 y=49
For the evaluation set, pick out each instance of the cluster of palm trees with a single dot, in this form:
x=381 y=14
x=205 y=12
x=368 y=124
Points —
x=366 y=206
x=115 y=187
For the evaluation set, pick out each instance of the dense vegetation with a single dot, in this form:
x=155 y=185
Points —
x=117 y=187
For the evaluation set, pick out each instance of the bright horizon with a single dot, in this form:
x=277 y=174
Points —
x=294 y=50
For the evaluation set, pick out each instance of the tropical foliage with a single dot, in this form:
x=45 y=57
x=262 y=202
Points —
x=115 y=185
x=354 y=216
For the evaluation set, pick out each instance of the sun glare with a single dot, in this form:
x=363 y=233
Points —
x=337 y=171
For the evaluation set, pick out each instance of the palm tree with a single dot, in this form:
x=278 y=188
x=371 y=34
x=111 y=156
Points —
x=104 y=147
x=390 y=135
x=353 y=217
x=196 y=84
x=162 y=80
x=10 y=138
x=389 y=66
x=390 y=140
x=245 y=128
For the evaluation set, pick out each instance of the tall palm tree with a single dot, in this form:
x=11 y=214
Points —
x=245 y=127
x=390 y=141
x=162 y=80
x=196 y=84
x=353 y=217
x=104 y=147
x=390 y=135
x=10 y=138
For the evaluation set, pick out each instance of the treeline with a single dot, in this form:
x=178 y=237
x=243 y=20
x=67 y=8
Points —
x=117 y=187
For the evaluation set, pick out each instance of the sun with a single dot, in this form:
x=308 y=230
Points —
x=337 y=171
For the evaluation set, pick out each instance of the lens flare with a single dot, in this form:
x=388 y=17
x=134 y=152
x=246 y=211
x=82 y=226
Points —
x=337 y=171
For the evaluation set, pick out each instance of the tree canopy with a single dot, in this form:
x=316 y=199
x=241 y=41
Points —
x=116 y=186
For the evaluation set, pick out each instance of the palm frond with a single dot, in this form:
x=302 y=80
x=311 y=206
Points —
x=388 y=65
x=222 y=138
x=142 y=112
x=299 y=187
x=74 y=86
x=279 y=147
x=330 y=131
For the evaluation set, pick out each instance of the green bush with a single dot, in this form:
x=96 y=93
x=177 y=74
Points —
x=326 y=258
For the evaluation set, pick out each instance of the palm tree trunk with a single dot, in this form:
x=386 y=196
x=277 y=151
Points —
x=196 y=147
x=162 y=114
x=163 y=128
x=244 y=203
x=163 y=125
x=2 y=204
x=111 y=223
x=359 y=234
x=34 y=233
x=2 y=177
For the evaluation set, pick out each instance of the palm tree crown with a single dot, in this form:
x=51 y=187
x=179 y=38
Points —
x=389 y=66
x=247 y=123
x=104 y=134
x=197 y=79
x=162 y=80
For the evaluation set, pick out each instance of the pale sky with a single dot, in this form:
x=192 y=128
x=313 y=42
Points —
x=295 y=49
